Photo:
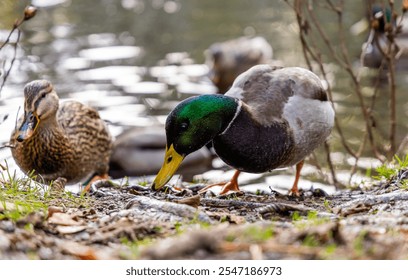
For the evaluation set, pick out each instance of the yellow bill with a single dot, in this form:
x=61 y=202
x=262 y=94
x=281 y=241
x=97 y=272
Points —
x=172 y=161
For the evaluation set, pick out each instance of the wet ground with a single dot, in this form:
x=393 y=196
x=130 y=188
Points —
x=130 y=221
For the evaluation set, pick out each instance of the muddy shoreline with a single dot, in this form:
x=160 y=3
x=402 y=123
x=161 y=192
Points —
x=133 y=222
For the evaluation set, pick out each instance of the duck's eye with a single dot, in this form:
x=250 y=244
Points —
x=31 y=118
x=43 y=95
x=183 y=126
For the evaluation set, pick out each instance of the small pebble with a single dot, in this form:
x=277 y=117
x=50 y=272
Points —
x=210 y=194
x=4 y=243
x=25 y=246
x=45 y=253
x=105 y=219
x=7 y=226
x=82 y=236
x=124 y=213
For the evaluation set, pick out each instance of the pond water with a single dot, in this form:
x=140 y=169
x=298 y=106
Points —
x=135 y=59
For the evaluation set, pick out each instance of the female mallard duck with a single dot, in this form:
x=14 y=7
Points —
x=67 y=140
x=270 y=118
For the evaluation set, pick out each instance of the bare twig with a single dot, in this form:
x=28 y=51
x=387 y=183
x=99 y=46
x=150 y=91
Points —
x=29 y=13
x=7 y=146
x=336 y=183
x=391 y=80
x=7 y=73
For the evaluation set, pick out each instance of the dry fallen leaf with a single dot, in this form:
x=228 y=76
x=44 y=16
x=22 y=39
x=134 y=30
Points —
x=81 y=251
x=53 y=209
x=63 y=219
x=191 y=201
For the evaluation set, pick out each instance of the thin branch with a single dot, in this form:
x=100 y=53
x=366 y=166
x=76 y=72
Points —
x=7 y=146
x=392 y=86
x=29 y=13
x=12 y=61
x=336 y=183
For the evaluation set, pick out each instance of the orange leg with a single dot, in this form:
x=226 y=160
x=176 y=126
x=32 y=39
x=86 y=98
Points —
x=232 y=185
x=94 y=179
x=295 y=191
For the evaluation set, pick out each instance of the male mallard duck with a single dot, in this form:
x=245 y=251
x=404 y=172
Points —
x=67 y=140
x=230 y=58
x=270 y=118
x=378 y=42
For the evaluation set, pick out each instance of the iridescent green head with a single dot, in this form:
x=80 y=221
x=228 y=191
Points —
x=381 y=16
x=197 y=120
x=191 y=125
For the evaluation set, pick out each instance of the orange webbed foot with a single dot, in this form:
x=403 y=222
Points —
x=232 y=185
x=93 y=180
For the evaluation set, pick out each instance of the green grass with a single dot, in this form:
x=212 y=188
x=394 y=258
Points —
x=258 y=234
x=384 y=172
x=312 y=219
x=310 y=241
x=330 y=249
x=252 y=233
x=22 y=196
x=19 y=197
x=178 y=227
x=327 y=206
x=358 y=244
x=134 y=247
x=390 y=169
x=296 y=216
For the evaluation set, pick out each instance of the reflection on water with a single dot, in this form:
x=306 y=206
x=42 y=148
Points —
x=135 y=59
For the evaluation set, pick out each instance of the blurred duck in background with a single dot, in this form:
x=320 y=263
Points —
x=386 y=28
x=228 y=59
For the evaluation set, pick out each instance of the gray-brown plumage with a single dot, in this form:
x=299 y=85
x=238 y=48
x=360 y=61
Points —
x=67 y=140
x=270 y=118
